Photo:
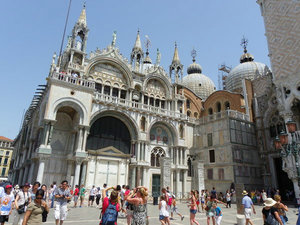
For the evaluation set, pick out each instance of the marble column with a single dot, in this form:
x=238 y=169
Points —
x=25 y=175
x=85 y=135
x=138 y=151
x=138 y=176
x=165 y=169
x=184 y=191
x=21 y=176
x=172 y=181
x=30 y=174
x=40 y=174
x=79 y=143
x=83 y=173
x=177 y=155
x=145 y=176
x=96 y=170
x=132 y=177
x=178 y=183
x=69 y=170
x=77 y=173
x=50 y=134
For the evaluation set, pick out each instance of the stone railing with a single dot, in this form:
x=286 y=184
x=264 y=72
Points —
x=224 y=114
x=72 y=80
x=107 y=99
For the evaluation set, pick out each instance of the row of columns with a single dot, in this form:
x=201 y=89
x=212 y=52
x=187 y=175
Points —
x=141 y=152
x=139 y=175
x=179 y=155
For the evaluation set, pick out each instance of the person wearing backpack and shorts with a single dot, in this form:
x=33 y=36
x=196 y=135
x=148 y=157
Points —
x=110 y=207
x=270 y=213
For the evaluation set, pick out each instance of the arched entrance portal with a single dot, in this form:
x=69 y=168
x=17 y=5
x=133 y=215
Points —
x=109 y=131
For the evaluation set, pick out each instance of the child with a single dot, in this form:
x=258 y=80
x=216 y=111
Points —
x=218 y=214
x=175 y=209
x=163 y=211
x=7 y=198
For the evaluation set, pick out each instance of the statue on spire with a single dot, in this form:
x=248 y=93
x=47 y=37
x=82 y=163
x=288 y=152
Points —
x=244 y=44
x=113 y=43
x=194 y=54
x=158 y=57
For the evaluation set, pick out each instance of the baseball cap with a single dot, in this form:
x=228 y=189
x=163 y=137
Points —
x=8 y=186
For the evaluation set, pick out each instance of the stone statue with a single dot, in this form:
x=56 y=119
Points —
x=69 y=42
x=158 y=57
x=53 y=58
x=113 y=43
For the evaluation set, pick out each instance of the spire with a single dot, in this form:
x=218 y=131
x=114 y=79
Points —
x=82 y=17
x=176 y=56
x=137 y=44
x=246 y=57
x=147 y=59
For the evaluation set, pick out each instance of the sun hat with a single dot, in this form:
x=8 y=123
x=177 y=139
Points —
x=269 y=202
x=245 y=192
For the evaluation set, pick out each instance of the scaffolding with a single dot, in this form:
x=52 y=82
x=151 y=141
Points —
x=223 y=72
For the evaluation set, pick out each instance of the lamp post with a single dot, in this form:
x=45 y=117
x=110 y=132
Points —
x=282 y=143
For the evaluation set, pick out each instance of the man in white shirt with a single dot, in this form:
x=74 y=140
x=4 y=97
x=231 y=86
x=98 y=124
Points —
x=93 y=192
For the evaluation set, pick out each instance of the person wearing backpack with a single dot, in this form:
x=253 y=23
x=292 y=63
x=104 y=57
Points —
x=110 y=207
x=270 y=213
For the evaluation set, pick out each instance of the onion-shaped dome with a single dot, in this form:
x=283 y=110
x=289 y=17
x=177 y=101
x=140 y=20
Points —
x=202 y=85
x=248 y=69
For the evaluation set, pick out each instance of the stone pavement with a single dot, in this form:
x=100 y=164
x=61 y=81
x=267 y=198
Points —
x=90 y=216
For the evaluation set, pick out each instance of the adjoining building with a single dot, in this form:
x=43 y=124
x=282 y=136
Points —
x=6 y=150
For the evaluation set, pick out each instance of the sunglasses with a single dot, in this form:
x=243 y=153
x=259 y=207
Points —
x=39 y=198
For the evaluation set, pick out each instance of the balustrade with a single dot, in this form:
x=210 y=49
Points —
x=73 y=80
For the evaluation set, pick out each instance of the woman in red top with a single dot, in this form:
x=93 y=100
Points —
x=114 y=200
x=76 y=194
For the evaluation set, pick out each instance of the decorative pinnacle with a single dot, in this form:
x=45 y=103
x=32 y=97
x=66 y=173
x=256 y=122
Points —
x=147 y=43
x=194 y=54
x=244 y=44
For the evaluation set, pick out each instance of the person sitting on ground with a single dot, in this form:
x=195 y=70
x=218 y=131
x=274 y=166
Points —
x=33 y=215
x=270 y=213
x=110 y=207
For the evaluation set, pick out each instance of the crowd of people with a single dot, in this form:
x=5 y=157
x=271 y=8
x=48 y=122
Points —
x=32 y=203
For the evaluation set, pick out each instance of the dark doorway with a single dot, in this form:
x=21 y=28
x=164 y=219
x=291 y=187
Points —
x=109 y=131
x=156 y=185
x=285 y=185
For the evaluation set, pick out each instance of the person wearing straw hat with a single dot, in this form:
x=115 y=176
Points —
x=247 y=204
x=270 y=213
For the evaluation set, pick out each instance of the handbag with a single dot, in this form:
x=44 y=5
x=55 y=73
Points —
x=44 y=215
x=21 y=209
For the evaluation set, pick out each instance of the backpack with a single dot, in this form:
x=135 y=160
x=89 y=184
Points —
x=110 y=215
x=271 y=220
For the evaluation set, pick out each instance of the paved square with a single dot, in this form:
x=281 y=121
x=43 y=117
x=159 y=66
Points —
x=90 y=216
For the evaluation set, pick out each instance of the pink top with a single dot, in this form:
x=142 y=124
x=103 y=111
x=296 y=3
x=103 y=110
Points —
x=193 y=203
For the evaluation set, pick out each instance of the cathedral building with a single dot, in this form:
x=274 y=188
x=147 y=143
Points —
x=101 y=118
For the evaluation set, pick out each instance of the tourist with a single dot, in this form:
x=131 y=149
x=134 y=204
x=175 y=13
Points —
x=62 y=195
x=92 y=196
x=270 y=213
x=52 y=199
x=44 y=188
x=197 y=200
x=202 y=199
x=264 y=195
x=82 y=195
x=163 y=210
x=258 y=197
x=36 y=208
x=35 y=187
x=213 y=192
x=281 y=208
x=110 y=207
x=210 y=211
x=76 y=195
x=168 y=197
x=228 y=199
x=6 y=199
x=139 y=199
x=50 y=194
x=175 y=209
x=247 y=204
x=129 y=206
x=21 y=202
x=193 y=207
x=16 y=190
x=218 y=213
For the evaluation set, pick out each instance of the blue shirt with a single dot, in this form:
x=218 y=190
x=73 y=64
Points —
x=247 y=202
x=218 y=211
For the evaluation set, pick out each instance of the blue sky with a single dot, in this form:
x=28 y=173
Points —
x=32 y=31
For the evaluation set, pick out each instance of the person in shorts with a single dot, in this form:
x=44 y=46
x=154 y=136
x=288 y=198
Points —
x=7 y=199
x=82 y=195
x=163 y=211
x=76 y=195
x=247 y=204
x=92 y=196
x=62 y=195
x=218 y=214
x=175 y=209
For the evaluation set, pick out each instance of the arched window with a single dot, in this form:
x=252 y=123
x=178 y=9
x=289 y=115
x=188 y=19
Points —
x=210 y=111
x=181 y=131
x=195 y=114
x=218 y=107
x=143 y=123
x=188 y=113
x=227 y=105
x=188 y=104
x=276 y=125
x=156 y=153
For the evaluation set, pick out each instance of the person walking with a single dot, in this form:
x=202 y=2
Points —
x=35 y=187
x=264 y=195
x=139 y=199
x=92 y=196
x=270 y=213
x=218 y=214
x=82 y=195
x=44 y=188
x=175 y=209
x=163 y=210
x=110 y=207
x=129 y=207
x=50 y=194
x=33 y=215
x=202 y=199
x=247 y=204
x=228 y=199
x=21 y=202
x=6 y=204
x=62 y=195
x=98 y=196
x=281 y=208
x=76 y=195
x=193 y=208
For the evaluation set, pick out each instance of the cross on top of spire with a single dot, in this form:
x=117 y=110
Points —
x=244 y=43
x=194 y=54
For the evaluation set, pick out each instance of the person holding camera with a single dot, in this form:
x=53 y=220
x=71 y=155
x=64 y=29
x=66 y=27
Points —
x=23 y=198
x=62 y=196
x=37 y=210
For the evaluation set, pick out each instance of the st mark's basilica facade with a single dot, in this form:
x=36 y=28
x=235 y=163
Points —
x=101 y=118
